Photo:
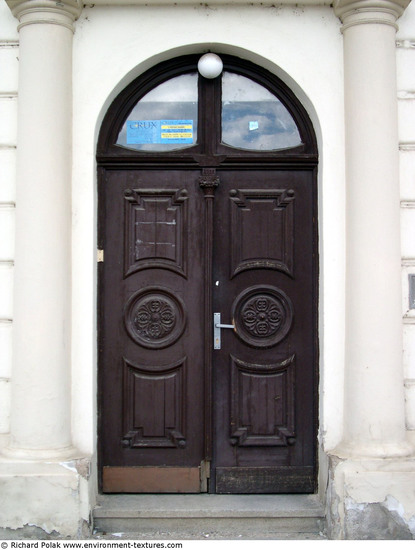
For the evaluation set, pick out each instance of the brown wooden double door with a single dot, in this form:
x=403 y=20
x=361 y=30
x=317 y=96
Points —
x=178 y=415
x=223 y=222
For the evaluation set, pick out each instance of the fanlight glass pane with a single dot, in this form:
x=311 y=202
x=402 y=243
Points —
x=165 y=119
x=253 y=118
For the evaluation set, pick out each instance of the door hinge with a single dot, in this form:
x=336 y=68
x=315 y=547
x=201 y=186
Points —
x=204 y=476
x=100 y=255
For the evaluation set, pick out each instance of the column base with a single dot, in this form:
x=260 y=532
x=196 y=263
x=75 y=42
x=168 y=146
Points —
x=374 y=450
x=371 y=499
x=68 y=453
x=55 y=496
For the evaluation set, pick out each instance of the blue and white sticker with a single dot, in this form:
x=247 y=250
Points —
x=159 y=131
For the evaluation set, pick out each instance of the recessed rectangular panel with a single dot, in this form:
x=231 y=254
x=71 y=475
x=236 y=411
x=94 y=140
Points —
x=261 y=230
x=150 y=479
x=154 y=408
x=155 y=230
x=262 y=403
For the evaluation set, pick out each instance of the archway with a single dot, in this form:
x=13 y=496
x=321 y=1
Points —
x=208 y=217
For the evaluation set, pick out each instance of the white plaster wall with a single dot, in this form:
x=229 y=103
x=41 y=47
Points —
x=301 y=45
x=8 y=118
x=405 y=57
x=114 y=45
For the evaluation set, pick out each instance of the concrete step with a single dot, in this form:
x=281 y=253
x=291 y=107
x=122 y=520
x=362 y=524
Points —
x=231 y=517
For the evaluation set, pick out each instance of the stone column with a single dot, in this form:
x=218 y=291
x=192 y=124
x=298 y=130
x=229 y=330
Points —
x=374 y=423
x=40 y=411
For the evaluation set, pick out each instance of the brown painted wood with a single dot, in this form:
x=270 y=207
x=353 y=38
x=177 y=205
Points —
x=264 y=374
x=208 y=183
x=151 y=333
x=188 y=233
x=151 y=480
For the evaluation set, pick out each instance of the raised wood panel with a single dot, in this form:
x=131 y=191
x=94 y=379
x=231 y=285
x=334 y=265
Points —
x=154 y=406
x=262 y=403
x=155 y=230
x=261 y=230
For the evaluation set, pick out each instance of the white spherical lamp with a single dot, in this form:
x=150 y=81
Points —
x=210 y=65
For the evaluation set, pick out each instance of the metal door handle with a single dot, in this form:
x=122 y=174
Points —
x=217 y=325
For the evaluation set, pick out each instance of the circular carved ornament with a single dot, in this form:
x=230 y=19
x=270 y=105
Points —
x=154 y=317
x=262 y=315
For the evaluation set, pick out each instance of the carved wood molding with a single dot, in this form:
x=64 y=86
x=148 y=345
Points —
x=208 y=182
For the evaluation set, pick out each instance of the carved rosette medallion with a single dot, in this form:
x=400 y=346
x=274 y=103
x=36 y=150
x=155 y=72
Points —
x=263 y=316
x=154 y=318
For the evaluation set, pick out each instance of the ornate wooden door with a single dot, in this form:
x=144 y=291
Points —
x=264 y=371
x=152 y=332
x=207 y=207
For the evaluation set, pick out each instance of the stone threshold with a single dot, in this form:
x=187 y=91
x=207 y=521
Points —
x=208 y=506
x=198 y=517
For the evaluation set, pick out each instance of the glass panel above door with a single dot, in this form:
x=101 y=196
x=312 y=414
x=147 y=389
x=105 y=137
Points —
x=253 y=118
x=165 y=119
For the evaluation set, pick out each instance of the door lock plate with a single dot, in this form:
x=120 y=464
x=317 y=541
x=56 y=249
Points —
x=217 y=326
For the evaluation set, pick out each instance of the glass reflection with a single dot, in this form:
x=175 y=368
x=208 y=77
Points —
x=165 y=119
x=253 y=118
